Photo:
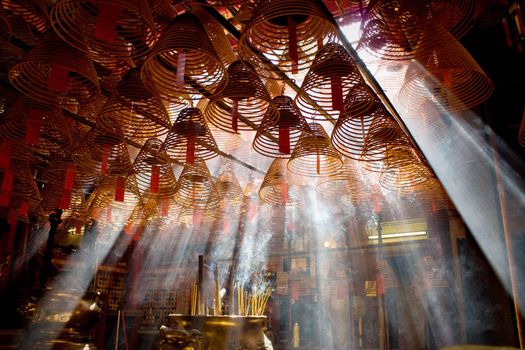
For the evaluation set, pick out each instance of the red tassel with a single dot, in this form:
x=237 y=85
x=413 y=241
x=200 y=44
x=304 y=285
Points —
x=337 y=94
x=7 y=182
x=506 y=30
x=165 y=207
x=58 y=78
x=108 y=214
x=70 y=178
x=181 y=69
x=318 y=164
x=119 y=190
x=128 y=229
x=65 y=201
x=380 y=284
x=106 y=27
x=190 y=149
x=5 y=199
x=292 y=44
x=434 y=206
x=23 y=209
x=78 y=229
x=104 y=160
x=155 y=177
x=235 y=115
x=377 y=204
x=284 y=139
x=6 y=148
x=34 y=126
x=447 y=79
x=284 y=192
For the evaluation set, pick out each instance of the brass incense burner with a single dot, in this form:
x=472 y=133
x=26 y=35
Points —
x=202 y=332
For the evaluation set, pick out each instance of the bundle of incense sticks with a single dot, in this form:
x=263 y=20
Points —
x=252 y=303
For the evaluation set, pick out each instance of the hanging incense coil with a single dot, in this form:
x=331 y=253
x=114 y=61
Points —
x=52 y=70
x=138 y=111
x=394 y=29
x=344 y=184
x=228 y=188
x=276 y=138
x=383 y=132
x=119 y=192
x=448 y=75
x=195 y=185
x=242 y=101
x=33 y=12
x=41 y=126
x=107 y=30
x=197 y=216
x=155 y=177
x=314 y=154
x=183 y=62
x=290 y=32
x=226 y=141
x=190 y=138
x=350 y=131
x=278 y=187
x=329 y=80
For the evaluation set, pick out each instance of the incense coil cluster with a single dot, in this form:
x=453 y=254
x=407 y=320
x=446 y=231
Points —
x=278 y=188
x=137 y=111
x=33 y=12
x=314 y=155
x=107 y=30
x=394 y=29
x=107 y=193
x=290 y=32
x=329 y=80
x=183 y=63
x=276 y=138
x=54 y=69
x=448 y=75
x=190 y=138
x=242 y=100
x=195 y=186
x=154 y=176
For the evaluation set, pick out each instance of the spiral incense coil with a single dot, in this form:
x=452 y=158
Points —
x=190 y=138
x=342 y=183
x=138 y=111
x=39 y=125
x=314 y=154
x=107 y=30
x=449 y=76
x=329 y=80
x=382 y=133
x=393 y=30
x=226 y=141
x=277 y=188
x=350 y=131
x=155 y=177
x=183 y=62
x=217 y=35
x=196 y=216
x=289 y=32
x=276 y=138
x=106 y=193
x=54 y=69
x=195 y=185
x=242 y=101
x=228 y=188
x=33 y=12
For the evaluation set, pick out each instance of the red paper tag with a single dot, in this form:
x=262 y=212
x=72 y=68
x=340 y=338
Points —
x=380 y=284
x=447 y=79
x=337 y=93
x=155 y=177
x=104 y=160
x=190 y=149
x=235 y=115
x=292 y=44
x=23 y=210
x=506 y=30
x=284 y=139
x=7 y=182
x=128 y=229
x=78 y=229
x=58 y=78
x=181 y=69
x=34 y=126
x=120 y=188
x=284 y=192
x=106 y=27
x=165 y=207
x=70 y=178
x=376 y=204
x=434 y=206
x=65 y=200
x=6 y=148
x=5 y=199
x=109 y=211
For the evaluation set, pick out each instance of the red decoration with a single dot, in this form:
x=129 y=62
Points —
x=235 y=115
x=70 y=178
x=119 y=190
x=376 y=204
x=284 y=192
x=337 y=93
x=78 y=229
x=128 y=229
x=165 y=207
x=7 y=182
x=181 y=69
x=23 y=209
x=434 y=206
x=190 y=149
x=292 y=44
x=506 y=30
x=65 y=200
x=108 y=214
x=104 y=160
x=58 y=78
x=284 y=139
x=5 y=199
x=6 y=148
x=380 y=284
x=106 y=27
x=447 y=79
x=155 y=177
x=34 y=126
